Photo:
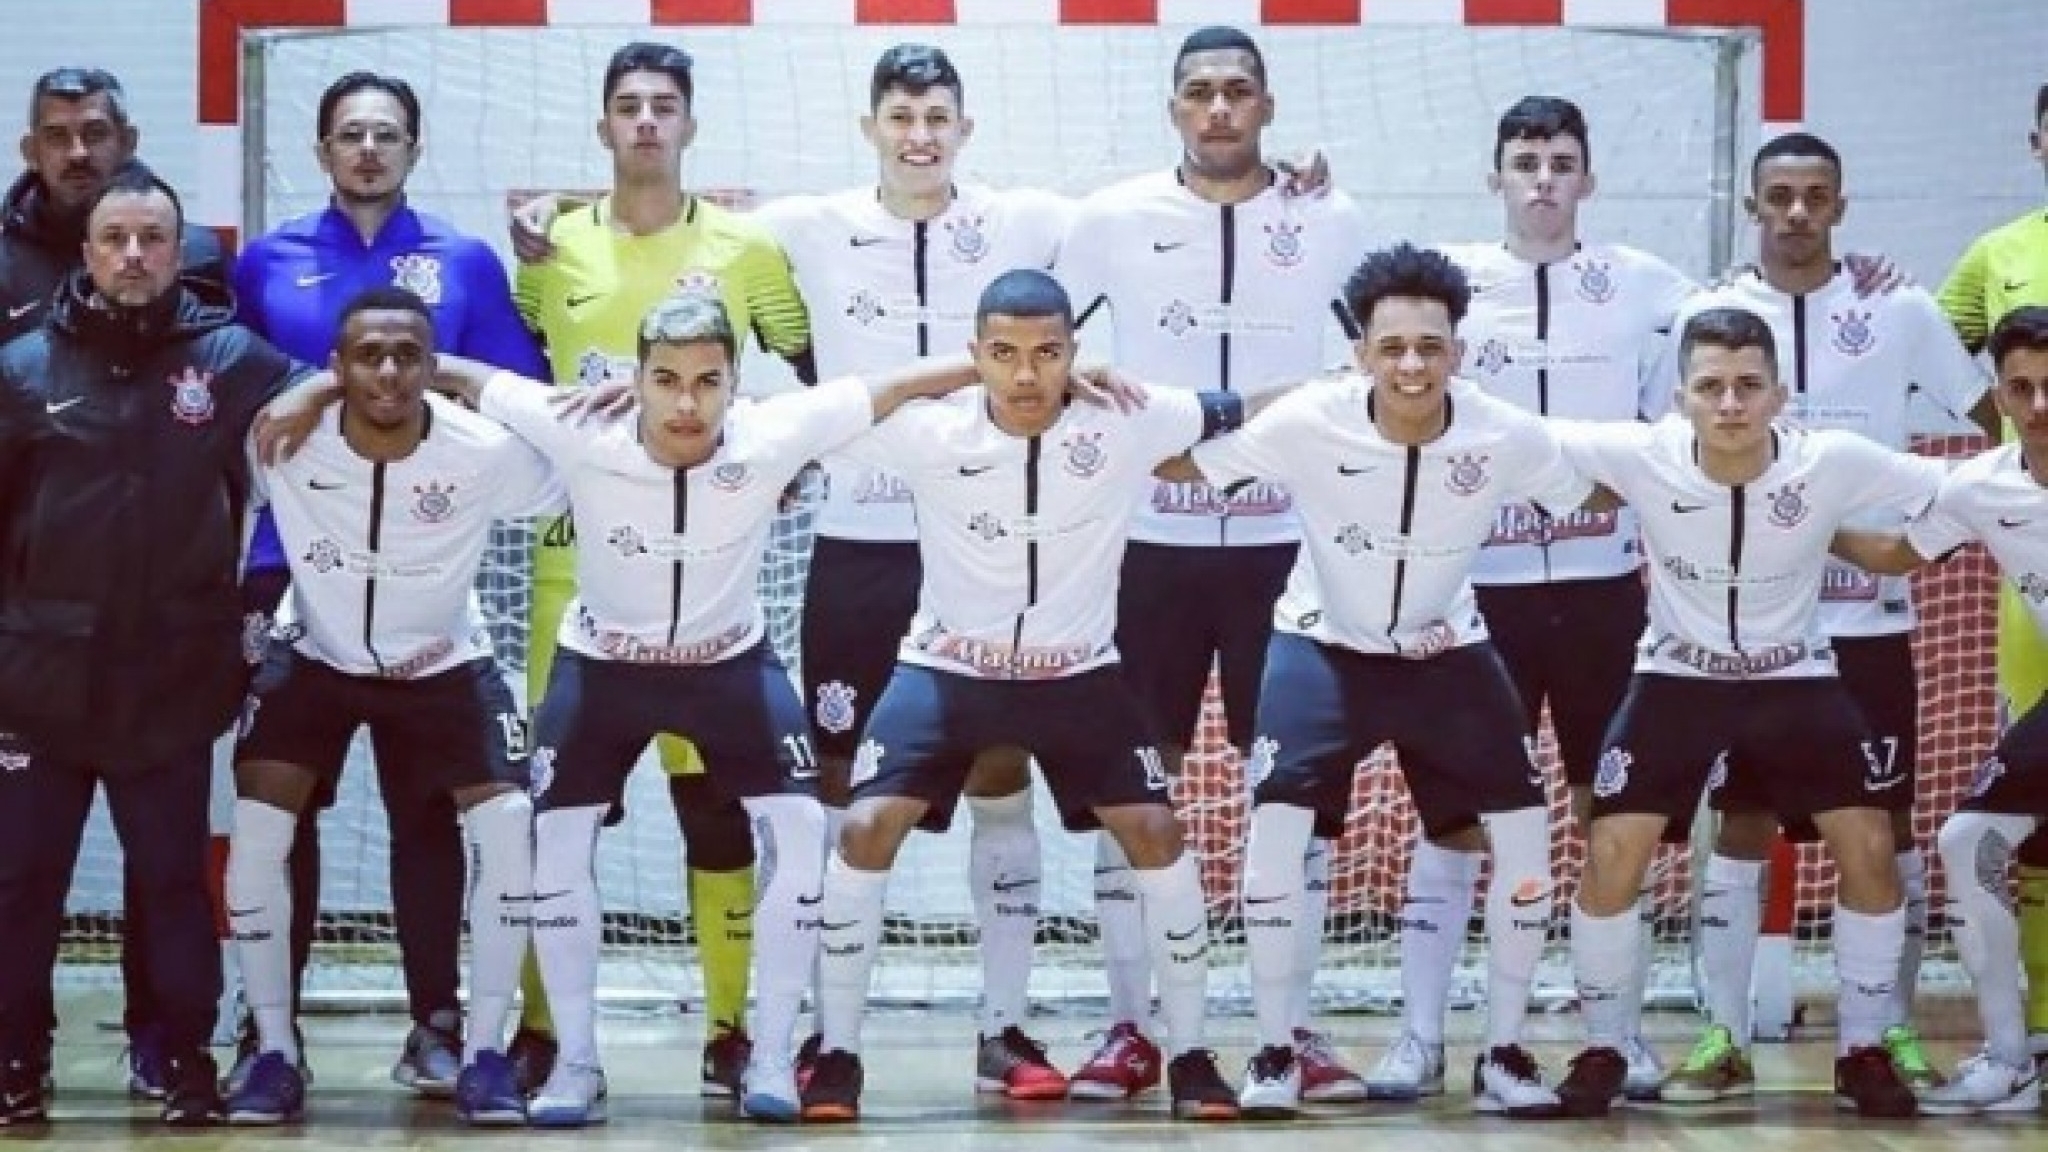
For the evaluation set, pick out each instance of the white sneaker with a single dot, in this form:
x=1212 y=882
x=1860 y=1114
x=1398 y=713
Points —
x=1982 y=1084
x=768 y=1090
x=1272 y=1085
x=1645 y=1082
x=1507 y=1082
x=1410 y=1070
x=572 y=1097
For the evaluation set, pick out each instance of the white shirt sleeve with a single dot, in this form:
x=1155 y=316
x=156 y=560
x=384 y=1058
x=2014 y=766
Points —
x=1600 y=450
x=523 y=406
x=1887 y=479
x=523 y=483
x=1080 y=268
x=1550 y=481
x=823 y=419
x=1941 y=529
x=1260 y=449
x=1170 y=422
x=1943 y=371
x=1666 y=291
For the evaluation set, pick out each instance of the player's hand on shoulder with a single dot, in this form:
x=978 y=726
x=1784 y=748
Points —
x=282 y=427
x=599 y=402
x=528 y=226
x=1106 y=387
x=1305 y=177
x=1874 y=274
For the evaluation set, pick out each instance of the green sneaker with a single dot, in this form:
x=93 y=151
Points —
x=1902 y=1044
x=1715 y=1070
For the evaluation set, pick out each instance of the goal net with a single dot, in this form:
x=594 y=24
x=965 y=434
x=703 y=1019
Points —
x=1406 y=116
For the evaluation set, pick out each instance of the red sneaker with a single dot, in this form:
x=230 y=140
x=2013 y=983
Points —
x=1125 y=1065
x=1324 y=1077
x=1015 y=1065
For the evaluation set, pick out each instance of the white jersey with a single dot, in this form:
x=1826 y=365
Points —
x=883 y=291
x=666 y=558
x=384 y=556
x=1885 y=367
x=1992 y=498
x=1579 y=339
x=1213 y=297
x=1735 y=572
x=1022 y=538
x=1390 y=529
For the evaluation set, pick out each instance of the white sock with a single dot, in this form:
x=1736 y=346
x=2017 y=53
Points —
x=1603 y=966
x=1126 y=956
x=1646 y=940
x=1731 y=919
x=848 y=941
x=789 y=838
x=500 y=914
x=835 y=819
x=1867 y=967
x=1272 y=908
x=1308 y=941
x=259 y=900
x=1004 y=871
x=1518 y=902
x=1177 y=925
x=1976 y=850
x=568 y=930
x=1913 y=881
x=1433 y=919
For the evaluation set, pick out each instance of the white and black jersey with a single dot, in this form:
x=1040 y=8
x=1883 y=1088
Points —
x=1992 y=498
x=1389 y=530
x=1581 y=339
x=883 y=291
x=667 y=559
x=384 y=555
x=1022 y=538
x=1736 y=572
x=1886 y=367
x=1205 y=296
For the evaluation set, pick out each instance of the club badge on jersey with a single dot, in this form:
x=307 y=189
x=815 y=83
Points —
x=1283 y=243
x=433 y=502
x=1596 y=281
x=969 y=241
x=1854 y=335
x=419 y=274
x=192 y=397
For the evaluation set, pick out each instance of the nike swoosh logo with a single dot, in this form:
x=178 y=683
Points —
x=1187 y=935
x=2015 y=285
x=1263 y=899
x=2002 y=521
x=55 y=406
x=1168 y=245
x=972 y=470
x=245 y=911
x=809 y=901
x=828 y=926
x=325 y=485
x=1682 y=507
x=580 y=301
x=1525 y=901
x=311 y=279
x=1014 y=885
x=733 y=916
x=20 y=310
x=540 y=896
x=866 y=241
x=1348 y=470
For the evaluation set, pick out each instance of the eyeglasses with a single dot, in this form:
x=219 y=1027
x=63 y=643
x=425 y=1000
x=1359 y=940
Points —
x=362 y=137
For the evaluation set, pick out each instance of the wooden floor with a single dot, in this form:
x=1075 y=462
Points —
x=920 y=1099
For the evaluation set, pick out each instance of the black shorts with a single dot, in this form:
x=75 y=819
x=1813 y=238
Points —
x=598 y=715
x=1878 y=672
x=1453 y=720
x=1572 y=645
x=1182 y=611
x=1674 y=735
x=858 y=601
x=1090 y=740
x=2013 y=779
x=455 y=729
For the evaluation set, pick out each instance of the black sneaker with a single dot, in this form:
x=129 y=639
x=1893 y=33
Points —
x=192 y=1093
x=1199 y=1090
x=807 y=1055
x=725 y=1060
x=533 y=1054
x=832 y=1095
x=1867 y=1081
x=24 y=1093
x=1593 y=1079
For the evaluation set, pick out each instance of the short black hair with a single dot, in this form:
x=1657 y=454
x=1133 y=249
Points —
x=1405 y=270
x=2022 y=328
x=917 y=69
x=2041 y=103
x=75 y=83
x=1024 y=292
x=360 y=81
x=1802 y=144
x=647 y=56
x=385 y=298
x=1730 y=328
x=134 y=178
x=1220 y=38
x=1541 y=118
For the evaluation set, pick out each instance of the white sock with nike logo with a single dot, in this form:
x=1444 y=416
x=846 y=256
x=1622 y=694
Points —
x=500 y=833
x=567 y=928
x=1177 y=925
x=259 y=907
x=848 y=938
x=789 y=894
x=1003 y=872
x=1433 y=920
x=1518 y=900
x=1272 y=905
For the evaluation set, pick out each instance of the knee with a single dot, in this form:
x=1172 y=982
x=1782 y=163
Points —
x=1149 y=834
x=1616 y=852
x=1962 y=844
x=872 y=833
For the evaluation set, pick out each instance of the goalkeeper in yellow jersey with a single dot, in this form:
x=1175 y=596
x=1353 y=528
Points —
x=610 y=262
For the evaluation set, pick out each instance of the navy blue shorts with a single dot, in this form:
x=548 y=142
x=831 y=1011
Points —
x=1571 y=645
x=598 y=715
x=1086 y=732
x=2013 y=779
x=1879 y=674
x=858 y=601
x=1182 y=611
x=454 y=729
x=1675 y=736
x=1453 y=719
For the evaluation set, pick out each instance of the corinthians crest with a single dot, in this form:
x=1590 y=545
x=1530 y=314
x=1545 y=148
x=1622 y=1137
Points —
x=1283 y=243
x=419 y=274
x=1788 y=505
x=191 y=396
x=970 y=243
x=1085 y=456
x=1596 y=281
x=1853 y=334
x=1466 y=473
x=433 y=502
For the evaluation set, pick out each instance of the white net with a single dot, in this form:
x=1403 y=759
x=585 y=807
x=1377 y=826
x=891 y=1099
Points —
x=1406 y=116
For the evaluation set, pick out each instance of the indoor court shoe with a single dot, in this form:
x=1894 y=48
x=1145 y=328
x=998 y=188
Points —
x=833 y=1094
x=433 y=1056
x=148 y=1072
x=272 y=1093
x=248 y=1046
x=768 y=1090
x=192 y=1096
x=1645 y=1082
x=1272 y=1085
x=1867 y=1083
x=1199 y=1090
x=1982 y=1084
x=1410 y=1070
x=1506 y=1081
x=24 y=1097
x=1124 y=1065
x=532 y=1053
x=1325 y=1079
x=807 y=1058
x=1591 y=1082
x=487 y=1092
x=572 y=1098
x=1015 y=1065
x=1716 y=1069
x=1902 y=1044
x=725 y=1061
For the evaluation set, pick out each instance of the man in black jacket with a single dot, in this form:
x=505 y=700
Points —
x=127 y=415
